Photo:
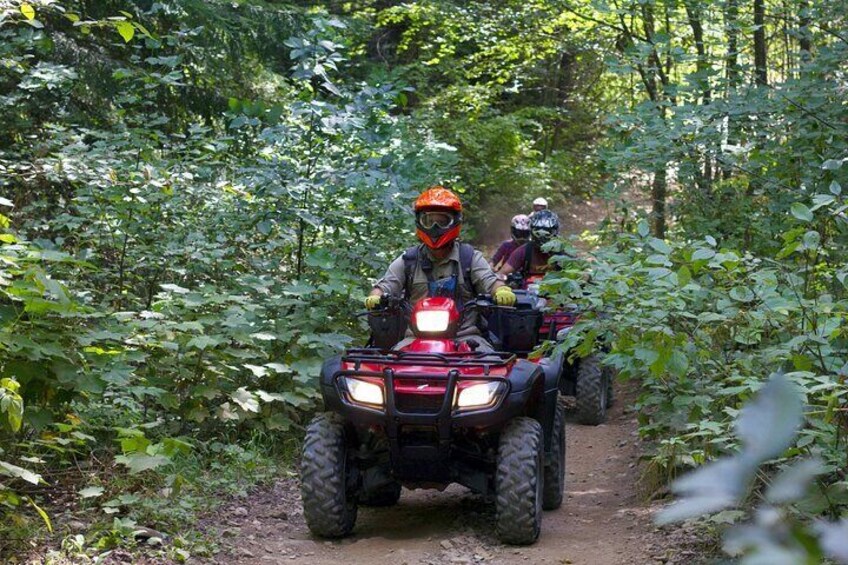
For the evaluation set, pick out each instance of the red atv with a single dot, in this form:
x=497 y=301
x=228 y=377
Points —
x=432 y=413
x=584 y=378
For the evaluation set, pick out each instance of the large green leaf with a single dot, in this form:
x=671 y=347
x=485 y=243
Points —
x=801 y=212
x=139 y=462
x=19 y=472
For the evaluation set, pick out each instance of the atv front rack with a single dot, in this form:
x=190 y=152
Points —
x=485 y=359
x=432 y=415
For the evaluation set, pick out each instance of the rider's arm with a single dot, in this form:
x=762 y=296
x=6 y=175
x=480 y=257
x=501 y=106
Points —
x=483 y=278
x=516 y=259
x=499 y=255
x=392 y=282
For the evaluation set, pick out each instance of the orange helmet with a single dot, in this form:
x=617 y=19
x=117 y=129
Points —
x=438 y=217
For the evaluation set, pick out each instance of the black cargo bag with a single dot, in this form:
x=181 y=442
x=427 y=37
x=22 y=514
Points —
x=517 y=330
x=388 y=327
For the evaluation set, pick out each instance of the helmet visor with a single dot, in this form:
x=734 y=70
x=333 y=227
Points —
x=436 y=219
x=542 y=235
x=520 y=234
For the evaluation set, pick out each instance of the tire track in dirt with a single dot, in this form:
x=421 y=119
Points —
x=603 y=519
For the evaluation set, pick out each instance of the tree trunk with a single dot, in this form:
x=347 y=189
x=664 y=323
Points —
x=655 y=69
x=804 y=30
x=731 y=66
x=693 y=13
x=658 y=194
x=760 y=48
x=731 y=29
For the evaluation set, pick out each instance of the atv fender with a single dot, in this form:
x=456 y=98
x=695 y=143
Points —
x=542 y=380
x=525 y=375
x=552 y=366
x=330 y=368
x=553 y=370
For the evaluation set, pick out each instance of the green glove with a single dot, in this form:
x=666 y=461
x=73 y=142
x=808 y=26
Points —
x=504 y=296
x=373 y=301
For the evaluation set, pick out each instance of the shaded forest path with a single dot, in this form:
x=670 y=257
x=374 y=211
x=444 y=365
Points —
x=603 y=519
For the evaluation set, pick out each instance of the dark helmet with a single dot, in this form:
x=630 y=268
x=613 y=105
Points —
x=544 y=225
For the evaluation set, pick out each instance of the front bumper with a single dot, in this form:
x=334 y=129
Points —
x=437 y=442
x=443 y=420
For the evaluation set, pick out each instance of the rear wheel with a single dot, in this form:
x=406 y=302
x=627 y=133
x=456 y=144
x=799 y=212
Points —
x=591 y=391
x=518 y=482
x=555 y=463
x=328 y=505
x=387 y=495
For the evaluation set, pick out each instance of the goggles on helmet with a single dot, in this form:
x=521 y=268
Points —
x=542 y=234
x=436 y=219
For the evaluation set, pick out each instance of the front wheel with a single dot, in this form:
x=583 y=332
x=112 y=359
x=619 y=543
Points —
x=591 y=391
x=328 y=505
x=518 y=482
x=555 y=463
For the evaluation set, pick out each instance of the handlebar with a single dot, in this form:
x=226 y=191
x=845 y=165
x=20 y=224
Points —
x=485 y=301
x=515 y=280
x=388 y=303
x=394 y=303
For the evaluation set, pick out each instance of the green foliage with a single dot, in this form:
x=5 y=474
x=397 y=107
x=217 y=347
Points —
x=767 y=426
x=177 y=262
x=196 y=192
x=698 y=323
x=506 y=83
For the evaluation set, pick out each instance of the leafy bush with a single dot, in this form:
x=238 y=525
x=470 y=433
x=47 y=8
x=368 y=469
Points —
x=177 y=263
x=781 y=531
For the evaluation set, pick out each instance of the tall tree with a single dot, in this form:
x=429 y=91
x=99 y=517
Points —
x=804 y=40
x=694 y=15
x=760 y=46
x=731 y=31
x=659 y=184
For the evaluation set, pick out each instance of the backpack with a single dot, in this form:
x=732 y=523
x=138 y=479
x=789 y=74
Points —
x=412 y=255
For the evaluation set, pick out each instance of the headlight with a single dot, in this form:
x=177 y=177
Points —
x=364 y=392
x=432 y=321
x=476 y=396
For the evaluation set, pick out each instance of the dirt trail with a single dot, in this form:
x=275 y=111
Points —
x=602 y=521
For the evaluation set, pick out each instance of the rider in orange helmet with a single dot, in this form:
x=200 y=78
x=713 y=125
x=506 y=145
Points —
x=441 y=265
x=438 y=218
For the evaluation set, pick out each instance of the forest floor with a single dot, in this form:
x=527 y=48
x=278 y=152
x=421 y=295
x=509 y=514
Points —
x=604 y=520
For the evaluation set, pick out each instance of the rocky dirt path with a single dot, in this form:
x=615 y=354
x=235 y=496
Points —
x=602 y=521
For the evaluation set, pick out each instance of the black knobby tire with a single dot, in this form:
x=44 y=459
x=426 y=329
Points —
x=591 y=391
x=518 y=482
x=555 y=463
x=387 y=495
x=609 y=374
x=329 y=509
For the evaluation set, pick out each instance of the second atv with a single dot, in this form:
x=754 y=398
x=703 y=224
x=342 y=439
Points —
x=584 y=378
